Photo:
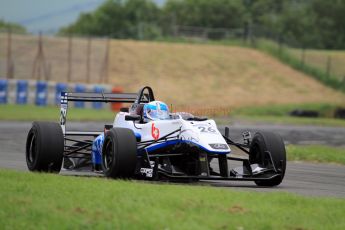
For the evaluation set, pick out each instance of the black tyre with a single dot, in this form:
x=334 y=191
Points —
x=119 y=153
x=44 y=147
x=273 y=143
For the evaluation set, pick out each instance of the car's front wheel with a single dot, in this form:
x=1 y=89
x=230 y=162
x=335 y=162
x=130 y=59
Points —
x=119 y=153
x=262 y=144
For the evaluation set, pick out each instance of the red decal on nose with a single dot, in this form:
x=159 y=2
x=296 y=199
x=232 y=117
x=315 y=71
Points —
x=154 y=132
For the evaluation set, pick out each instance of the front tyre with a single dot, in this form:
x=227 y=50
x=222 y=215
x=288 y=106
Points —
x=268 y=142
x=44 y=147
x=119 y=153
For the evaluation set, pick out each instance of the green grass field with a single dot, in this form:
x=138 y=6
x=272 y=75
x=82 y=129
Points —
x=52 y=113
x=270 y=114
x=42 y=201
x=325 y=110
x=279 y=114
x=316 y=153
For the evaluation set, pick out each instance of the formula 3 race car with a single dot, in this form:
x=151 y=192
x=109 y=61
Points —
x=178 y=147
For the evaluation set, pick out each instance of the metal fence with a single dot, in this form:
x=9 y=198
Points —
x=62 y=59
x=329 y=63
x=205 y=33
x=86 y=59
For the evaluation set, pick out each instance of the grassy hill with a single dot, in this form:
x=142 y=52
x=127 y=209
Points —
x=206 y=75
x=189 y=75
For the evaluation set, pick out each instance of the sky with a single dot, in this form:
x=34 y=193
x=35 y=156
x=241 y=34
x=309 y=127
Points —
x=46 y=15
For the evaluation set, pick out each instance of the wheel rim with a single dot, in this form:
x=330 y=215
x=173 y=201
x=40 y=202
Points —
x=108 y=155
x=261 y=158
x=32 y=149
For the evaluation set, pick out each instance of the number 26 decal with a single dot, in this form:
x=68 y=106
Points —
x=204 y=129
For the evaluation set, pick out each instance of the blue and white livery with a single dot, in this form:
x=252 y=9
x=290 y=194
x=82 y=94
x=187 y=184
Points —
x=147 y=141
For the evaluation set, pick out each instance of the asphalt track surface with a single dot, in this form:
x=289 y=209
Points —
x=302 y=178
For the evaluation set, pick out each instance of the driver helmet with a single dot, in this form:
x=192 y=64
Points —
x=156 y=110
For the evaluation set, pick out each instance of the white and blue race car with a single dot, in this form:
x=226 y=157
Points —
x=146 y=141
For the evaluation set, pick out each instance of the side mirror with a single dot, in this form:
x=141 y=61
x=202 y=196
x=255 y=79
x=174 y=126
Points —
x=132 y=117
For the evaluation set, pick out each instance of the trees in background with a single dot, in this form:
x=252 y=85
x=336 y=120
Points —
x=329 y=18
x=16 y=28
x=206 y=13
x=303 y=23
x=119 y=19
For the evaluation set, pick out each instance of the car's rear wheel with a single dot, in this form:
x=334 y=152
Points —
x=44 y=147
x=262 y=143
x=119 y=153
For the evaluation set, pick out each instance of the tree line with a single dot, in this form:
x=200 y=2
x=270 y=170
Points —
x=14 y=27
x=303 y=23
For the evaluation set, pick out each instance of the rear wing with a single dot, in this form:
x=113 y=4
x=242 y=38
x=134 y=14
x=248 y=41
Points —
x=98 y=97
x=67 y=97
x=144 y=95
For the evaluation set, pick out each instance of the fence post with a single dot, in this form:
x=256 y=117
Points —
x=329 y=66
x=10 y=67
x=205 y=32
x=280 y=42
x=303 y=56
x=173 y=25
x=69 y=58
x=245 y=33
x=104 y=68
x=88 y=54
x=250 y=35
x=48 y=71
x=39 y=62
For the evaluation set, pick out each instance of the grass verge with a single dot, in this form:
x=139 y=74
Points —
x=279 y=114
x=52 y=113
x=271 y=114
x=41 y=201
x=316 y=153
x=290 y=120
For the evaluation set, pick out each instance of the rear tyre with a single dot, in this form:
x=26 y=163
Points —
x=119 y=153
x=44 y=147
x=273 y=143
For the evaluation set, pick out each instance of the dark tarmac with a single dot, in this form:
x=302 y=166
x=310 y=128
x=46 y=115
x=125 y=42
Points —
x=301 y=178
